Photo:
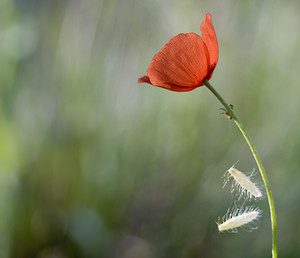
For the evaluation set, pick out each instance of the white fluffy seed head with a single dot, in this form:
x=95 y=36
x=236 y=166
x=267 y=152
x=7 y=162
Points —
x=237 y=218
x=243 y=183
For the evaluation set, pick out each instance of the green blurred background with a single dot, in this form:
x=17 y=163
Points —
x=94 y=165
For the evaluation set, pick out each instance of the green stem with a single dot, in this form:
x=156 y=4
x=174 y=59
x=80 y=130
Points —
x=258 y=162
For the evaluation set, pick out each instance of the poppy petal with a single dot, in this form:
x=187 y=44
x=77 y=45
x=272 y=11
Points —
x=172 y=87
x=144 y=79
x=178 y=88
x=181 y=63
x=210 y=40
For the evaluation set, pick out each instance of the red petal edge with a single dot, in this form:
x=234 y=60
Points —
x=144 y=79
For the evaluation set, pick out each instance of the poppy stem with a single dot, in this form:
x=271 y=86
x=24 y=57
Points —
x=258 y=162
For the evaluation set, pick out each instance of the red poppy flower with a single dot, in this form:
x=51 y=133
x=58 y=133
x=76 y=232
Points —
x=186 y=61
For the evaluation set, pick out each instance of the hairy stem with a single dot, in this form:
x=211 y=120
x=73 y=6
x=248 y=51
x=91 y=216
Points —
x=258 y=162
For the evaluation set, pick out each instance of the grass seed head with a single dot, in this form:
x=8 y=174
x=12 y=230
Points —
x=239 y=217
x=243 y=183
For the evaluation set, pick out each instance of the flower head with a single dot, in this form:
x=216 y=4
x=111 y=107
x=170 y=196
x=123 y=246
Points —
x=186 y=61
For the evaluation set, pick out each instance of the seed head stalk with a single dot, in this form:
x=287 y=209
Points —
x=258 y=162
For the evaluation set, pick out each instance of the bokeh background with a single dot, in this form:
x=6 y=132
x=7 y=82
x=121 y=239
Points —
x=94 y=165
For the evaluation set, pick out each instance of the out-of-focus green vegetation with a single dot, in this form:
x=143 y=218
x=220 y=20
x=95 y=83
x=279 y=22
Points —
x=94 y=165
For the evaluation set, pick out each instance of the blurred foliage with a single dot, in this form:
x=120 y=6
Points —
x=94 y=165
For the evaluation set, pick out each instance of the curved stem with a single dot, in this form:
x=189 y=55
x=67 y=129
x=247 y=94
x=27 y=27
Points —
x=258 y=162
